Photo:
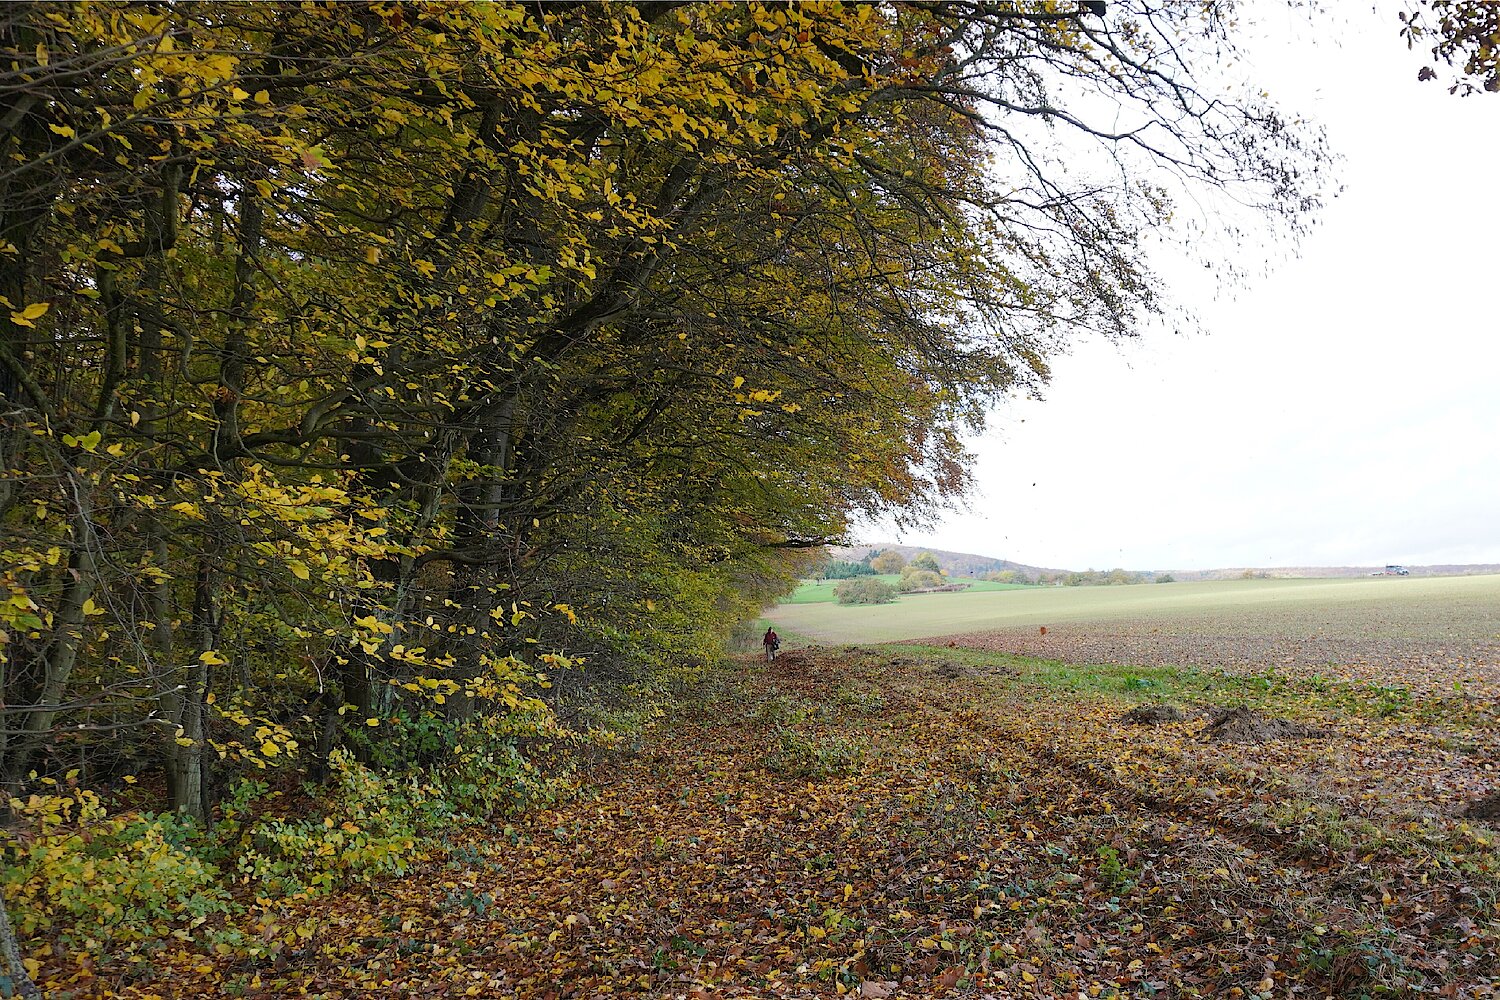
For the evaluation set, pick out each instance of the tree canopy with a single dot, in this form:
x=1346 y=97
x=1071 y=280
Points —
x=1463 y=34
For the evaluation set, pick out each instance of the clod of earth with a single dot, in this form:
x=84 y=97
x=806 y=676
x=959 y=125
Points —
x=1487 y=807
x=951 y=670
x=1243 y=725
x=1151 y=715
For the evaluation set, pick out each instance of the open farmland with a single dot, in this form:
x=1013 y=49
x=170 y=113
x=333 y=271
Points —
x=1430 y=634
x=821 y=591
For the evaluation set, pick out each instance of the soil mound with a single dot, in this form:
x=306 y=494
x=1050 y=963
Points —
x=951 y=670
x=1242 y=725
x=1485 y=808
x=1152 y=715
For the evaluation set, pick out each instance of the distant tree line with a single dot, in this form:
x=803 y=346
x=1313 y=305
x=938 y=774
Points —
x=841 y=569
x=1074 y=578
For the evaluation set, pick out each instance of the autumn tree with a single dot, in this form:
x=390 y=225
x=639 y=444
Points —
x=925 y=562
x=365 y=366
x=889 y=561
x=1460 y=34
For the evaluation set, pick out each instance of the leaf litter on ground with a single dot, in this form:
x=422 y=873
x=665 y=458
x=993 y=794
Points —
x=836 y=823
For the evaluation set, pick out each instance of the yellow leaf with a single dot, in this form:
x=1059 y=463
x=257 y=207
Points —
x=212 y=658
x=236 y=94
x=372 y=722
x=269 y=749
x=299 y=569
x=66 y=131
x=262 y=96
x=34 y=311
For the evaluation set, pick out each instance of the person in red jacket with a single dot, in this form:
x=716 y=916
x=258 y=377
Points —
x=772 y=642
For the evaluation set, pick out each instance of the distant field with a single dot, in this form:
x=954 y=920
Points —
x=1433 y=610
x=821 y=591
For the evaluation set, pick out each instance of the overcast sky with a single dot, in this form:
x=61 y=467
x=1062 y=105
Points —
x=1344 y=410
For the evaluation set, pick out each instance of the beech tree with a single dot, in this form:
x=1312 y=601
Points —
x=1463 y=34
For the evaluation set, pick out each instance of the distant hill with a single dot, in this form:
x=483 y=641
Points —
x=970 y=564
x=1327 y=572
x=953 y=563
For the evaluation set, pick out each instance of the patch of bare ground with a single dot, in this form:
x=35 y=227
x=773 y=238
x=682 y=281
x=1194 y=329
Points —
x=1152 y=715
x=1242 y=724
x=1486 y=808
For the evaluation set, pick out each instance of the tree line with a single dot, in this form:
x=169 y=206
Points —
x=373 y=370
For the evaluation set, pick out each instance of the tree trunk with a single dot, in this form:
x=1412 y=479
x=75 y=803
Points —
x=186 y=763
x=61 y=654
x=475 y=586
x=10 y=952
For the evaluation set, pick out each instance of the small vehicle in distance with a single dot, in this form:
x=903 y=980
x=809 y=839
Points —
x=1396 y=571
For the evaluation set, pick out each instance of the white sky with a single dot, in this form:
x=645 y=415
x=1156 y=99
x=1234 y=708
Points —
x=1344 y=410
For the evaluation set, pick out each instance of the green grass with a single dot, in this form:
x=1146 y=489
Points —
x=1272 y=692
x=821 y=591
x=1431 y=609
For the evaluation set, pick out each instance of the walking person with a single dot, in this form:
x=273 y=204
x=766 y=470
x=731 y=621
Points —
x=772 y=642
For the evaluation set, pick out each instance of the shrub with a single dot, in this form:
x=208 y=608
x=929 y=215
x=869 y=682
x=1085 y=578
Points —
x=922 y=579
x=375 y=824
x=370 y=827
x=864 y=590
x=83 y=880
x=101 y=883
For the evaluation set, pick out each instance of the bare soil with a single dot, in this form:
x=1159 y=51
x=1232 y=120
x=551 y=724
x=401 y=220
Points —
x=1151 y=715
x=1459 y=665
x=1486 y=808
x=1244 y=725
